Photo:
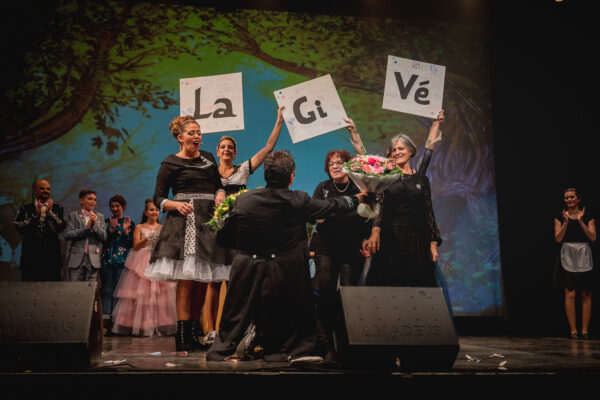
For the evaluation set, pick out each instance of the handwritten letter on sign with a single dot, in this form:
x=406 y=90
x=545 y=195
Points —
x=413 y=87
x=216 y=102
x=312 y=108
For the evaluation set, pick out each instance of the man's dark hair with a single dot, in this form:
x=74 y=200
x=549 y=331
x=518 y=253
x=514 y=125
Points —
x=85 y=192
x=279 y=167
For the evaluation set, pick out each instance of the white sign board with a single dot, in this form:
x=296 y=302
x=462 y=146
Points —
x=216 y=102
x=312 y=108
x=413 y=87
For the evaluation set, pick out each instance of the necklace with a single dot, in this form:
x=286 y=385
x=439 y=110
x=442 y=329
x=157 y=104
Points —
x=341 y=190
x=406 y=177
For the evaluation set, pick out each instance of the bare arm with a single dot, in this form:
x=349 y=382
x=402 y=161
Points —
x=357 y=143
x=138 y=241
x=183 y=207
x=259 y=157
x=590 y=228
x=435 y=135
x=560 y=228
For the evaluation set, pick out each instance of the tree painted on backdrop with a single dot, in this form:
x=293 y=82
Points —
x=97 y=56
x=88 y=61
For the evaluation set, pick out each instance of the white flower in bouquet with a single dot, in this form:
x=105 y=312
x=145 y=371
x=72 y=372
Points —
x=223 y=210
x=371 y=173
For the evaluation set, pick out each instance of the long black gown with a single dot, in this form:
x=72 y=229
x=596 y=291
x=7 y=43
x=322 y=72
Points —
x=408 y=227
x=270 y=281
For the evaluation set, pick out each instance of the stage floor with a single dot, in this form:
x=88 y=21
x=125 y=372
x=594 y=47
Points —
x=486 y=366
x=476 y=355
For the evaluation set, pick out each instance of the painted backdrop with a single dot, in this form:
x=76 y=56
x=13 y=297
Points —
x=99 y=85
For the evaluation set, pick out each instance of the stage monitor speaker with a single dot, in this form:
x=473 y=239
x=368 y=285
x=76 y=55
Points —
x=50 y=325
x=411 y=325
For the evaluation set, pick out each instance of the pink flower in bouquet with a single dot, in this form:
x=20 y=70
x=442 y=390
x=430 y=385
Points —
x=372 y=165
x=371 y=173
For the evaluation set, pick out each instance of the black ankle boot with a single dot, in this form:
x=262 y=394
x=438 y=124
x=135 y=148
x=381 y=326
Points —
x=195 y=332
x=184 y=337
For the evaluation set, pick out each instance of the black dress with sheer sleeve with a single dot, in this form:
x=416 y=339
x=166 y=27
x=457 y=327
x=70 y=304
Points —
x=408 y=227
x=186 y=248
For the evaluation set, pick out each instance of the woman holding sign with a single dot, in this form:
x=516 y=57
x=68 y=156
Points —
x=186 y=250
x=405 y=235
x=337 y=243
x=234 y=179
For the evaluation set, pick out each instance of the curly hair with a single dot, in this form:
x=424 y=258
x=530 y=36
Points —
x=176 y=125
x=343 y=154
x=279 y=167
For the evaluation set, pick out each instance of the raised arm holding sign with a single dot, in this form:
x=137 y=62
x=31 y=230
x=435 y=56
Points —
x=215 y=102
x=312 y=108
x=413 y=87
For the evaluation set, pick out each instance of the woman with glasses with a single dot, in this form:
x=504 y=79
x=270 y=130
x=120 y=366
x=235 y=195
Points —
x=186 y=250
x=337 y=244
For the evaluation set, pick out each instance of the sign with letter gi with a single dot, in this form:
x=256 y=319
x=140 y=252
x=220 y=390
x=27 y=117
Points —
x=216 y=102
x=312 y=108
x=413 y=87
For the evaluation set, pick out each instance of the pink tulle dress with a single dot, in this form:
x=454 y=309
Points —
x=144 y=307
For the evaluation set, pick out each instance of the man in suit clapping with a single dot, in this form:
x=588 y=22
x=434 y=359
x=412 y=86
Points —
x=86 y=230
x=40 y=223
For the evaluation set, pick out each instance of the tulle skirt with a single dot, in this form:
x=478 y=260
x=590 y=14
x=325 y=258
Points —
x=190 y=268
x=187 y=249
x=144 y=307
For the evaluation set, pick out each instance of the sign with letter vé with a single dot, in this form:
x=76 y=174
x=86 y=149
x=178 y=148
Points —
x=312 y=108
x=413 y=87
x=216 y=102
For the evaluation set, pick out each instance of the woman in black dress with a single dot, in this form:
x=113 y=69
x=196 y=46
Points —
x=575 y=230
x=186 y=250
x=336 y=242
x=405 y=235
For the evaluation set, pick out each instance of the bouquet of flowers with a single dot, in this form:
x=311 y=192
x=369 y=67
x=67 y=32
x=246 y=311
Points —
x=222 y=211
x=371 y=173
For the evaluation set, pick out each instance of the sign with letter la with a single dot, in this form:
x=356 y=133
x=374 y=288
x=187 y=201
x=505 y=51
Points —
x=413 y=87
x=216 y=102
x=312 y=108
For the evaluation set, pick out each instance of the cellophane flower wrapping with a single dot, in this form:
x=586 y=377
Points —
x=222 y=211
x=371 y=173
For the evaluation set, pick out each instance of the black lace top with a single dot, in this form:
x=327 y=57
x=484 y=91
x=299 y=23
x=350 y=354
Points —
x=408 y=203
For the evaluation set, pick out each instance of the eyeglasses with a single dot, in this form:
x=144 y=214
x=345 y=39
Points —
x=336 y=163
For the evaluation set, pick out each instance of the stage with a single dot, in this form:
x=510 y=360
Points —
x=485 y=367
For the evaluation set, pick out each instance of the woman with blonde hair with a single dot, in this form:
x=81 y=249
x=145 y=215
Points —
x=234 y=179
